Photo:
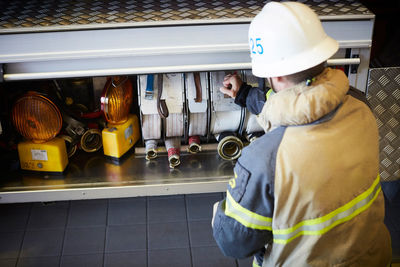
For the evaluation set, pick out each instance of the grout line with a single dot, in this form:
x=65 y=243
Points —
x=105 y=232
x=25 y=230
x=65 y=232
x=188 y=229
x=147 y=232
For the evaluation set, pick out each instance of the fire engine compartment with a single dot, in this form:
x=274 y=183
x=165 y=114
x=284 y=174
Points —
x=39 y=53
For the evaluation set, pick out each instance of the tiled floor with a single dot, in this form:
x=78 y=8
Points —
x=171 y=231
x=160 y=231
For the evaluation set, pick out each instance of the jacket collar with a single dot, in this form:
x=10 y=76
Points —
x=302 y=104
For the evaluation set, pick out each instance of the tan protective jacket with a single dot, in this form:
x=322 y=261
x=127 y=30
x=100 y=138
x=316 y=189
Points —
x=308 y=191
x=329 y=208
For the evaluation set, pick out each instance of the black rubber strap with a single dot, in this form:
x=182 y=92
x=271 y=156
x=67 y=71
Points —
x=161 y=105
x=197 y=83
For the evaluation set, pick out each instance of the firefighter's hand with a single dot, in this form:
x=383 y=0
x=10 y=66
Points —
x=231 y=85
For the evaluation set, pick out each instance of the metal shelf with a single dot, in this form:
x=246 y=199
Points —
x=92 y=176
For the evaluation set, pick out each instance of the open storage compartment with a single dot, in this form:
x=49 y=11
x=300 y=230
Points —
x=82 y=42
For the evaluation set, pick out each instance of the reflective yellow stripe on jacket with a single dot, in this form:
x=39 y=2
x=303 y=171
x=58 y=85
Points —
x=268 y=94
x=317 y=226
x=246 y=217
x=325 y=223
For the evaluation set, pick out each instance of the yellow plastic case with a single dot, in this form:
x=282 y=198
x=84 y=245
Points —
x=50 y=156
x=118 y=139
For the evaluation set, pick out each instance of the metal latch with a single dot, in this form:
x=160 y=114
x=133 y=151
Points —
x=354 y=67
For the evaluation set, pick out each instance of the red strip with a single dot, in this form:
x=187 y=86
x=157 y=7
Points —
x=194 y=139
x=173 y=151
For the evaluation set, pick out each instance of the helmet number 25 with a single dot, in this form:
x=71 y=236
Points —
x=256 y=46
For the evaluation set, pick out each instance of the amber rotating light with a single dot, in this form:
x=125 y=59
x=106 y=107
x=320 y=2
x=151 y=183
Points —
x=117 y=99
x=123 y=128
x=36 y=118
x=39 y=120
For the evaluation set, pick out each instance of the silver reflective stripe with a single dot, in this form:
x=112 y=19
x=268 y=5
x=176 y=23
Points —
x=246 y=217
x=323 y=224
x=255 y=262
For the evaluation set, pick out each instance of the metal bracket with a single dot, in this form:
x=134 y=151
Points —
x=1 y=73
x=354 y=68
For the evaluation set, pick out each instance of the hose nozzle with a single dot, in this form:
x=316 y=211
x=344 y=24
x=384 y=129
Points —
x=70 y=143
x=229 y=146
x=91 y=140
x=194 y=144
x=173 y=147
x=151 y=149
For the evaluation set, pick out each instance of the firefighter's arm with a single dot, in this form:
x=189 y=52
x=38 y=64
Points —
x=253 y=98
x=244 y=94
x=239 y=228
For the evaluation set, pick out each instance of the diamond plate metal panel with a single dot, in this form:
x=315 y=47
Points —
x=383 y=96
x=39 y=15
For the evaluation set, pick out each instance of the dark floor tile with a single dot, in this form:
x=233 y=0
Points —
x=126 y=238
x=178 y=257
x=10 y=244
x=200 y=207
x=84 y=240
x=200 y=234
x=39 y=243
x=248 y=262
x=14 y=217
x=126 y=259
x=207 y=195
x=89 y=260
x=127 y=211
x=166 y=210
x=8 y=262
x=48 y=215
x=87 y=213
x=165 y=197
x=39 y=262
x=168 y=235
x=210 y=257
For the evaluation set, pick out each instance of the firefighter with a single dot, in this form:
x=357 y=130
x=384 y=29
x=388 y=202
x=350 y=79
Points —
x=306 y=193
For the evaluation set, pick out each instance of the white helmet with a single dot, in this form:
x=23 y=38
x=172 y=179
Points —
x=287 y=38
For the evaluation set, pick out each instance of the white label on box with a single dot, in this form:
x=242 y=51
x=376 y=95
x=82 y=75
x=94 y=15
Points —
x=38 y=154
x=128 y=131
